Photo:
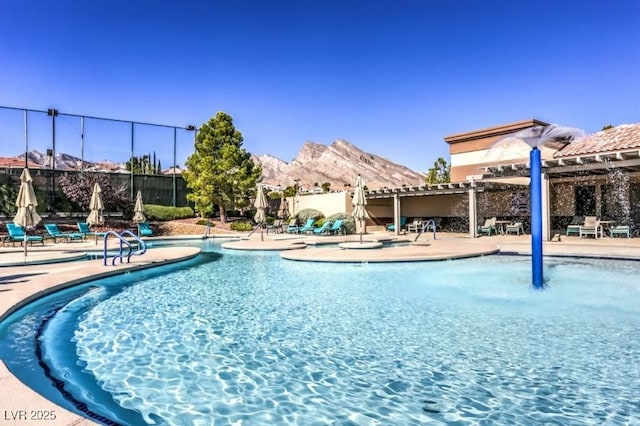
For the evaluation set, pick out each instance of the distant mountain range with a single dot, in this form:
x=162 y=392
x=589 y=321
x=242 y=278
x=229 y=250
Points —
x=338 y=164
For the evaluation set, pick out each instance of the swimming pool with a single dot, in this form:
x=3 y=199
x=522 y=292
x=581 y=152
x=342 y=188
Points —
x=247 y=337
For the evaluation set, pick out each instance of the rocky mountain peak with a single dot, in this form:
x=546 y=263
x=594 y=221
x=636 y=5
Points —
x=338 y=164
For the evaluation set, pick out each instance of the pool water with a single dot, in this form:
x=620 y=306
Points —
x=248 y=338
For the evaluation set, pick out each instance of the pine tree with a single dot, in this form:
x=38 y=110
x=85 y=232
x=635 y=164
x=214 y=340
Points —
x=220 y=172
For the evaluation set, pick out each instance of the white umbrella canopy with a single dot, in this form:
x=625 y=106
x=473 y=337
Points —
x=26 y=203
x=261 y=205
x=359 y=202
x=138 y=210
x=283 y=210
x=96 y=206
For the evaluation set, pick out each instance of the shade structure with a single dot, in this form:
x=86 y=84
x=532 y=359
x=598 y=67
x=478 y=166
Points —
x=261 y=205
x=96 y=206
x=359 y=204
x=26 y=203
x=138 y=209
x=283 y=210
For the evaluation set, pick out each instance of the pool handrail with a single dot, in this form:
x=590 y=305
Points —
x=425 y=226
x=121 y=237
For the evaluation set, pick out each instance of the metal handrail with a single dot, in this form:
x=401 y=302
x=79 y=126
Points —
x=425 y=226
x=142 y=247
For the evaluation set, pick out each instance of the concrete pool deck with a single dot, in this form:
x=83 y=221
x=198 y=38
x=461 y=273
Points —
x=55 y=266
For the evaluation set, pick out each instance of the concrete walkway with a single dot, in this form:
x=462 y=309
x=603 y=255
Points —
x=55 y=266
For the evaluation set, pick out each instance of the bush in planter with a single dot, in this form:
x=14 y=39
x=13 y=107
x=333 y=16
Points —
x=241 y=225
x=348 y=223
x=305 y=214
x=157 y=212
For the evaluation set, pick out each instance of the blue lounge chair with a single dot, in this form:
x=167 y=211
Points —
x=308 y=227
x=16 y=234
x=84 y=229
x=392 y=226
x=336 y=228
x=324 y=229
x=55 y=233
x=292 y=229
x=144 y=230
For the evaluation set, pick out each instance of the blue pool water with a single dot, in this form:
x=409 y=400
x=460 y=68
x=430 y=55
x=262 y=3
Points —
x=248 y=338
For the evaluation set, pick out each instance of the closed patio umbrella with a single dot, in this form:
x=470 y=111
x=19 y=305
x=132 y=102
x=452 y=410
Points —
x=138 y=209
x=359 y=202
x=283 y=210
x=261 y=205
x=26 y=203
x=96 y=206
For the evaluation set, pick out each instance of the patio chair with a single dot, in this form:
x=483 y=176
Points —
x=55 y=233
x=324 y=229
x=574 y=227
x=16 y=234
x=488 y=227
x=515 y=227
x=144 y=230
x=276 y=226
x=622 y=230
x=415 y=226
x=591 y=226
x=392 y=226
x=336 y=228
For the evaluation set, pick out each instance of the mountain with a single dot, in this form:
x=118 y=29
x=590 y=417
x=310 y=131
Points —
x=338 y=164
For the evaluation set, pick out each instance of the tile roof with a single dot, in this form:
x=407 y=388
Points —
x=624 y=137
x=17 y=162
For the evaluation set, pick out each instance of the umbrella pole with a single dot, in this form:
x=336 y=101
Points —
x=25 y=246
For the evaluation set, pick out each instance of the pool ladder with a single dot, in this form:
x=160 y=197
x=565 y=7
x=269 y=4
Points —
x=425 y=227
x=142 y=247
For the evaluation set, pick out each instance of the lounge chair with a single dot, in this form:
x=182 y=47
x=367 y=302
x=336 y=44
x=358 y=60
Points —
x=488 y=227
x=336 y=227
x=16 y=234
x=415 y=226
x=515 y=227
x=324 y=229
x=55 y=233
x=622 y=230
x=84 y=229
x=591 y=226
x=292 y=227
x=144 y=230
x=308 y=227
x=392 y=226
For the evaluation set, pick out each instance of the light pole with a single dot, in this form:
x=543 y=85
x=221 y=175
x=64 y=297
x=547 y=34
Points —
x=53 y=113
x=26 y=140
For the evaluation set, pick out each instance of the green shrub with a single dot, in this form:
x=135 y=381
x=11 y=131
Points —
x=305 y=214
x=157 y=212
x=348 y=224
x=241 y=225
x=8 y=196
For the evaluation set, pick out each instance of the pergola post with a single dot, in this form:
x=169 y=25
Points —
x=396 y=213
x=473 y=217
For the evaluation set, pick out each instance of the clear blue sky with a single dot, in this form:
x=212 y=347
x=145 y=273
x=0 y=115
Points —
x=394 y=77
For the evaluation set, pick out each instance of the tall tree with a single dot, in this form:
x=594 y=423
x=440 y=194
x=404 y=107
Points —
x=439 y=173
x=220 y=172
